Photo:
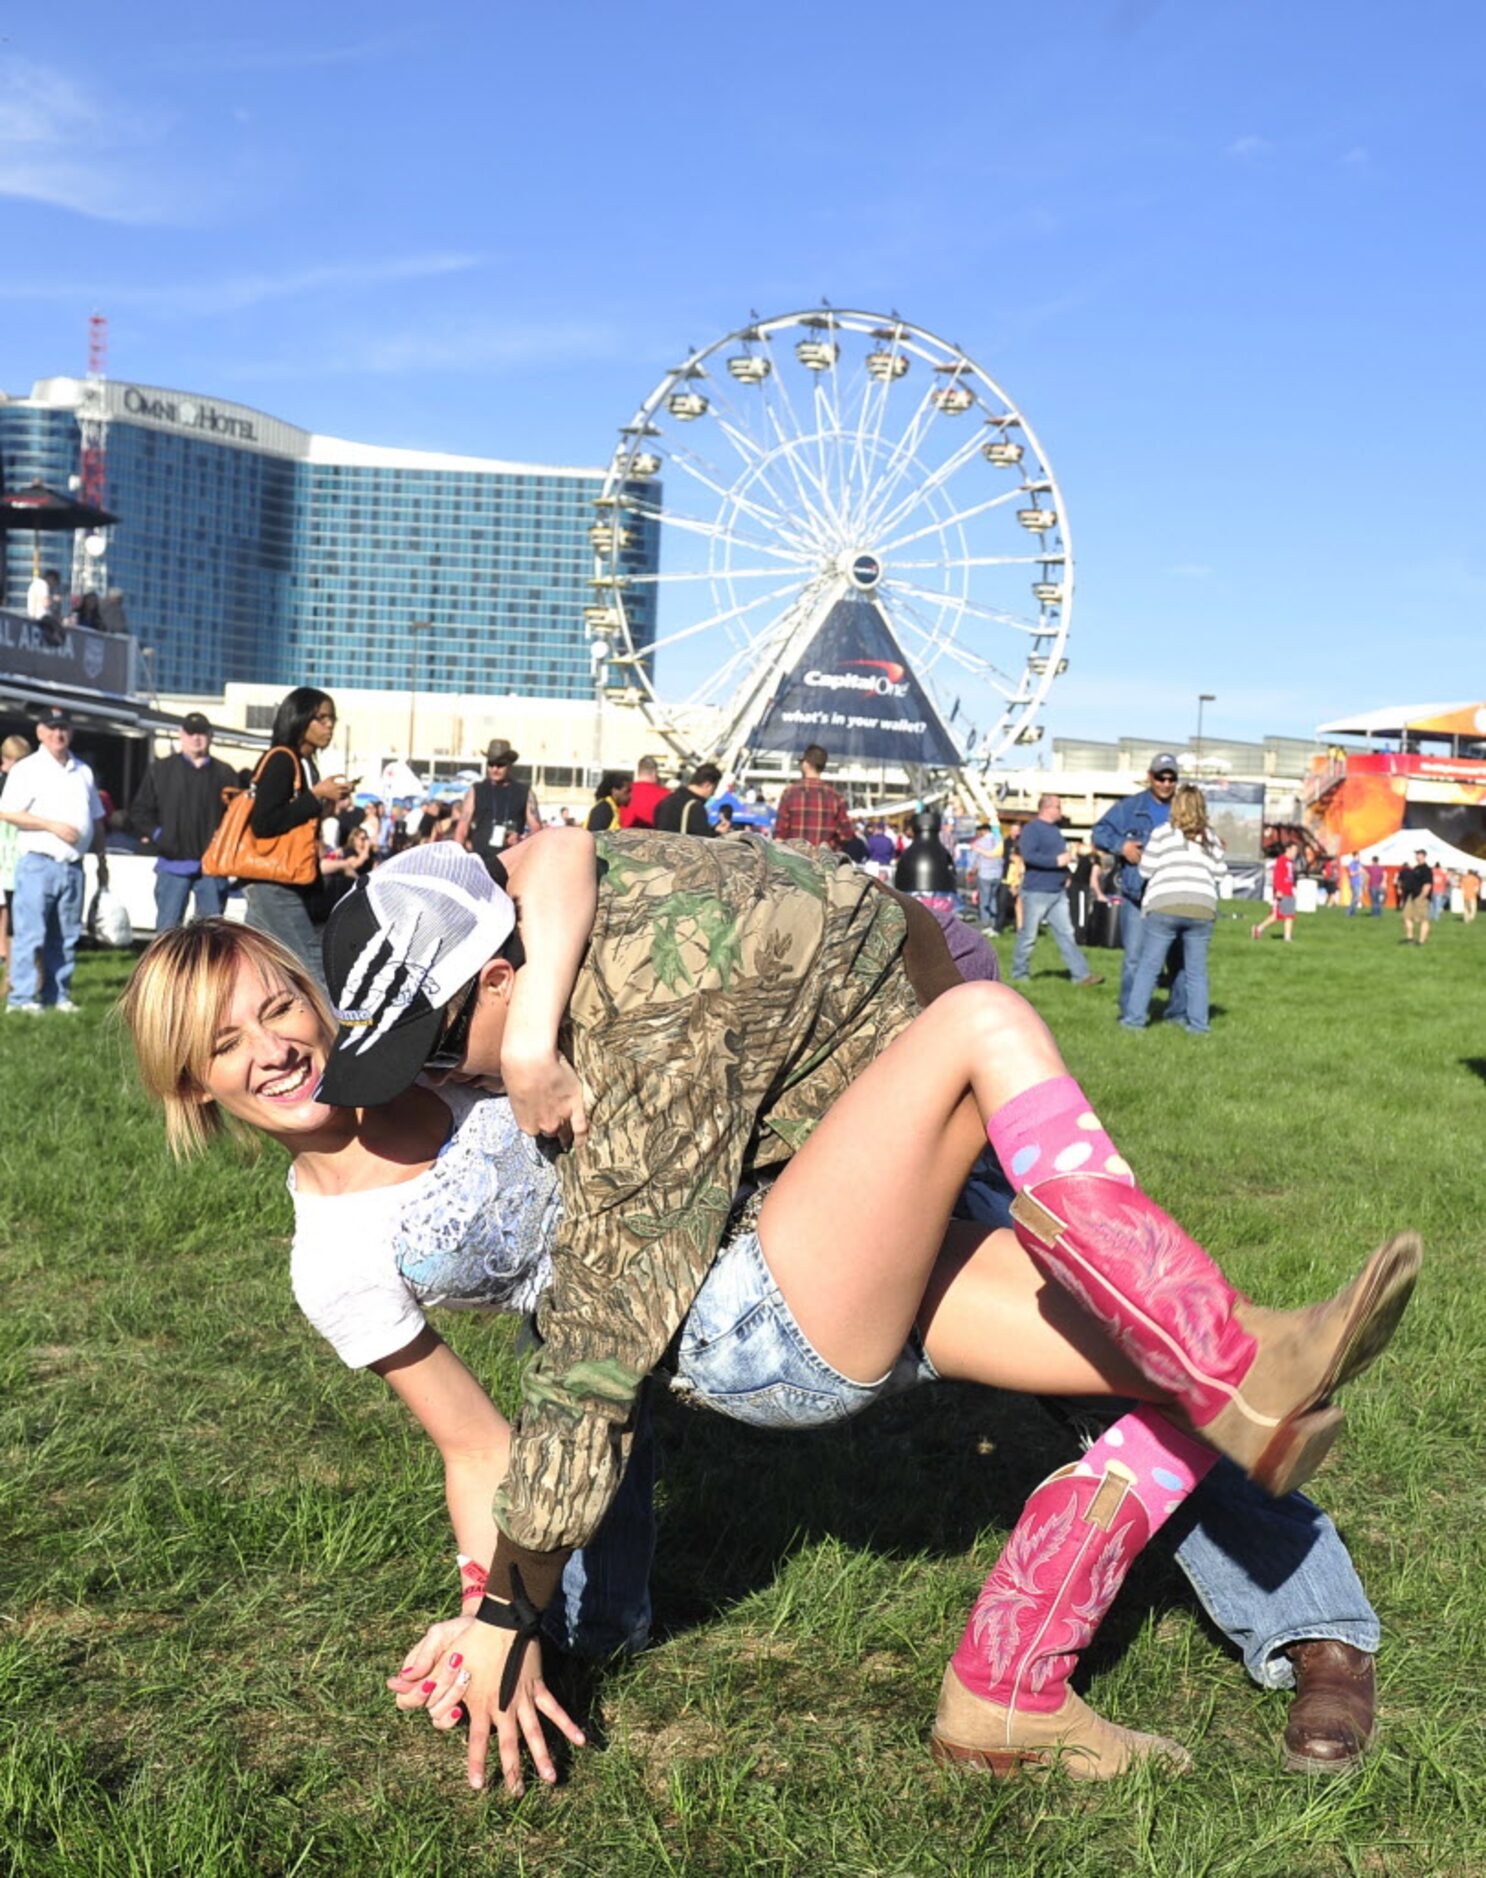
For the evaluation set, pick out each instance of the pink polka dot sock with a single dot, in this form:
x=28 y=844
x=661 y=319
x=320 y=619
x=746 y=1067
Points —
x=1052 y=1129
x=1167 y=1464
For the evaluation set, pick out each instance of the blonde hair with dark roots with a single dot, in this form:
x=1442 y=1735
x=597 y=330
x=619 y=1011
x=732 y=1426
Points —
x=173 y=1008
x=1189 y=816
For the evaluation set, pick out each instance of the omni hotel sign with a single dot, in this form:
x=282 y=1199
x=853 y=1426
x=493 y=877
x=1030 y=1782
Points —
x=211 y=420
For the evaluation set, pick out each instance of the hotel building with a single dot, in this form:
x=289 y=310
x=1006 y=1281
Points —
x=250 y=551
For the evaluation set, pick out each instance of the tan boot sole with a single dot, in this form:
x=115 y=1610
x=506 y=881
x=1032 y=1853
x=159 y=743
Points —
x=1078 y=1760
x=1075 y=1739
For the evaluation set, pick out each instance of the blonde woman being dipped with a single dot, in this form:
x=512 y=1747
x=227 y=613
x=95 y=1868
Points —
x=1183 y=865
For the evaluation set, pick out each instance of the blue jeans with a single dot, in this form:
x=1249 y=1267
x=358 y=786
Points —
x=1132 y=937
x=1354 y=905
x=987 y=889
x=46 y=920
x=283 y=915
x=742 y=1353
x=1162 y=931
x=1270 y=1573
x=603 y=1602
x=1052 y=907
x=1376 y=897
x=173 y=891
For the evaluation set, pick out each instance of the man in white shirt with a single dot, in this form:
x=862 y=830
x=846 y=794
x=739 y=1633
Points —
x=52 y=799
x=42 y=595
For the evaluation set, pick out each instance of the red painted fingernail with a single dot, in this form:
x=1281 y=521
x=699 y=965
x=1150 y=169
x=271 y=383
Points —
x=429 y=1687
x=455 y=1660
x=406 y=1670
x=456 y=1713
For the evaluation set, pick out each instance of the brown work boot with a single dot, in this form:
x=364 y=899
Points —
x=1331 y=1723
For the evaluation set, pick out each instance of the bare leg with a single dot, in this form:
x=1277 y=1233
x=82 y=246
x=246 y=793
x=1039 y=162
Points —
x=853 y=1226
x=990 y=1316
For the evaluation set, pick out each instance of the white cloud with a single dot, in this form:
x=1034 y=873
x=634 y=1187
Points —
x=64 y=147
x=1248 y=149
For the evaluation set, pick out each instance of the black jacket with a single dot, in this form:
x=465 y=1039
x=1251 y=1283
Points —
x=683 y=812
x=277 y=807
x=178 y=806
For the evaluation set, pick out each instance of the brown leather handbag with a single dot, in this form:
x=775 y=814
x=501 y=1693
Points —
x=235 y=852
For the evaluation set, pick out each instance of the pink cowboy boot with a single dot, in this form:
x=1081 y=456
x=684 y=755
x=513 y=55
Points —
x=1256 y=1384
x=1005 y=1704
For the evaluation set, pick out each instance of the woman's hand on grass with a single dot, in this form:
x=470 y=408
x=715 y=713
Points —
x=433 y=1648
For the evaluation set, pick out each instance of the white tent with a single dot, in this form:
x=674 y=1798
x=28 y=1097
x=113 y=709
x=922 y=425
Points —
x=1395 y=720
x=1398 y=851
x=397 y=781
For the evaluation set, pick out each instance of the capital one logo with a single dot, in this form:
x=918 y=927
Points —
x=885 y=679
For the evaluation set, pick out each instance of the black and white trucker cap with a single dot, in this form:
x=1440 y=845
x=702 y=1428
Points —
x=397 y=949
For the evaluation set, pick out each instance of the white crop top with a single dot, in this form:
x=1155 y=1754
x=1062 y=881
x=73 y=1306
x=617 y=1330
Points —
x=474 y=1231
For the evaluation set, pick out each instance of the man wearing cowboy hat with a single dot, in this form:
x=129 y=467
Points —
x=500 y=811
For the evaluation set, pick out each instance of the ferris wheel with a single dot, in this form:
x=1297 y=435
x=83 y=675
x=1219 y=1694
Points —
x=814 y=458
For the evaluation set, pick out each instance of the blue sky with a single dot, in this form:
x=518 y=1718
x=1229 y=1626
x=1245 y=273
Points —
x=1225 y=254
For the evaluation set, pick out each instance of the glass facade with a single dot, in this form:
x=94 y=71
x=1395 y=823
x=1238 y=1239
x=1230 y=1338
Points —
x=249 y=550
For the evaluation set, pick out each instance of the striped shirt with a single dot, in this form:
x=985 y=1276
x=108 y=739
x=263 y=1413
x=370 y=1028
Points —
x=1181 y=876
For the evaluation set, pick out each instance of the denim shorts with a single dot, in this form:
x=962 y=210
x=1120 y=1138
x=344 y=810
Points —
x=741 y=1353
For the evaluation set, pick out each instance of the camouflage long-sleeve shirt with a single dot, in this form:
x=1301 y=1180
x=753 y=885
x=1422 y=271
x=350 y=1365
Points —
x=731 y=991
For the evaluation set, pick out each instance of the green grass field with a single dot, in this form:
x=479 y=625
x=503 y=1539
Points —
x=214 y=1541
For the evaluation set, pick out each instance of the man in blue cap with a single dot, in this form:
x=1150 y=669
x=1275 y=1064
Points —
x=1122 y=834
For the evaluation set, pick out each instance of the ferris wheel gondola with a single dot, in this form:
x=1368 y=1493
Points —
x=813 y=456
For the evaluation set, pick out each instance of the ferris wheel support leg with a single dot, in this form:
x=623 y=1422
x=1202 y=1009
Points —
x=975 y=784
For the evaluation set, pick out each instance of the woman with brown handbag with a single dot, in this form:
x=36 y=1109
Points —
x=288 y=794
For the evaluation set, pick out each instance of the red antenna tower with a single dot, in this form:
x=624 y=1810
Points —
x=94 y=452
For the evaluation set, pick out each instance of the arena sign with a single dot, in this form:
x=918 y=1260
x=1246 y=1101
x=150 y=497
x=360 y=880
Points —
x=188 y=414
x=74 y=656
x=852 y=690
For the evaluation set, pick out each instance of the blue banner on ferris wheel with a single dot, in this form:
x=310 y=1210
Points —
x=853 y=691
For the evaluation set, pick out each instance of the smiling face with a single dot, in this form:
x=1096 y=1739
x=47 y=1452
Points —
x=268 y=1053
